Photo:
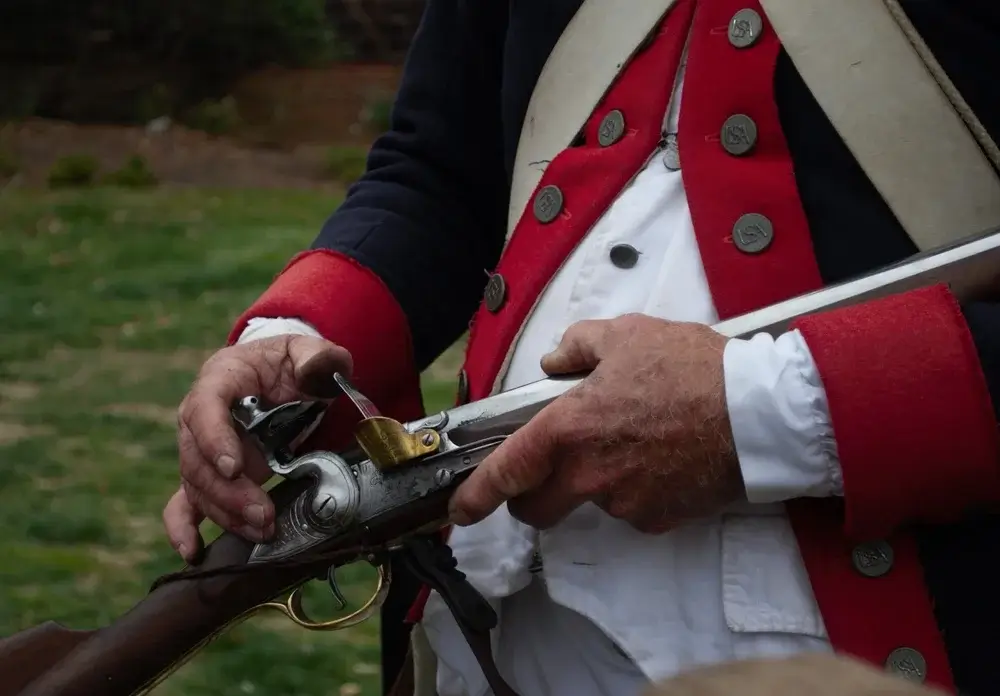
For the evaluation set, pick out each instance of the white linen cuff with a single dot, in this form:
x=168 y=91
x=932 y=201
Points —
x=780 y=420
x=266 y=327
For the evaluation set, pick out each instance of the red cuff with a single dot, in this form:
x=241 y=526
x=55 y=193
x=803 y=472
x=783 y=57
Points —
x=349 y=305
x=910 y=410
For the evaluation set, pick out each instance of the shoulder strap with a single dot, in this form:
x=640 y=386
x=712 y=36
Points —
x=894 y=114
x=593 y=49
x=865 y=64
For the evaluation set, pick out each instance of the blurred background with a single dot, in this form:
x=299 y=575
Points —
x=160 y=161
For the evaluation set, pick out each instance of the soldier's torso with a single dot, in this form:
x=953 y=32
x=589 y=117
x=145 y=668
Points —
x=852 y=232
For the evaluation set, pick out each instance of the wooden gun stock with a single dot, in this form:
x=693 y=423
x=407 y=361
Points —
x=156 y=635
x=177 y=618
x=27 y=655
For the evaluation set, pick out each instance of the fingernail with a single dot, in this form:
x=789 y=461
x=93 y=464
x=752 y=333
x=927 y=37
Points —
x=251 y=533
x=226 y=465
x=183 y=551
x=548 y=359
x=254 y=514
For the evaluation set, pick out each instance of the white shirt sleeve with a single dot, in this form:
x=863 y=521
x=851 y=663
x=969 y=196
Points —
x=263 y=327
x=780 y=419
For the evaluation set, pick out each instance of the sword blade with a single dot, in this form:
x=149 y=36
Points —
x=971 y=268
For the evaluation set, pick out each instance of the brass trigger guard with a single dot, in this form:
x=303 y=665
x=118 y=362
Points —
x=292 y=607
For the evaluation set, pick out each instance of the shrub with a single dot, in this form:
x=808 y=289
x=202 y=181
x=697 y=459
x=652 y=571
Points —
x=377 y=115
x=135 y=174
x=153 y=102
x=73 y=171
x=214 y=117
x=93 y=60
x=8 y=165
x=345 y=163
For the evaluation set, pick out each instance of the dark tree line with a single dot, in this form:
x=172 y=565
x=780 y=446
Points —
x=127 y=60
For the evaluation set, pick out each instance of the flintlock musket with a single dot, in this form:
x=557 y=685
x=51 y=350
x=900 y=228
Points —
x=384 y=499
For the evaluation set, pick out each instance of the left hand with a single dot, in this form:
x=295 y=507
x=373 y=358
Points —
x=645 y=435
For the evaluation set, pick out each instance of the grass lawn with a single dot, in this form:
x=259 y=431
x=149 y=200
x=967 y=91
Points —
x=109 y=302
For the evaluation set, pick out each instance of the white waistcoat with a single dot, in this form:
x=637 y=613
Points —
x=611 y=607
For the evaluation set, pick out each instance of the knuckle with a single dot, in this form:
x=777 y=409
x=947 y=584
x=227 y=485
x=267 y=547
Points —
x=184 y=407
x=219 y=356
x=579 y=330
x=619 y=507
x=192 y=469
x=506 y=480
x=190 y=492
x=194 y=497
x=167 y=516
x=193 y=402
x=346 y=358
x=657 y=521
x=198 y=479
x=570 y=431
x=575 y=329
x=661 y=527
x=567 y=430
x=630 y=323
x=215 y=493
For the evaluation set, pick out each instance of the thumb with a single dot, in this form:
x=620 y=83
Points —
x=521 y=463
x=581 y=349
x=314 y=362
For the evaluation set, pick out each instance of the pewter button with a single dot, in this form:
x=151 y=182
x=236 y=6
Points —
x=612 y=128
x=907 y=663
x=745 y=28
x=624 y=255
x=671 y=153
x=548 y=204
x=873 y=559
x=463 y=388
x=496 y=293
x=753 y=233
x=739 y=134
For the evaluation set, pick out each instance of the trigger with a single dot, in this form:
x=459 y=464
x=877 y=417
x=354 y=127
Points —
x=331 y=580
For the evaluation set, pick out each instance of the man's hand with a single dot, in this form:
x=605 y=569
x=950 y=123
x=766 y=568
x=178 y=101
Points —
x=645 y=436
x=222 y=475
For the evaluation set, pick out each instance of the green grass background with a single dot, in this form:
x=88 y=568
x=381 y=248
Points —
x=109 y=303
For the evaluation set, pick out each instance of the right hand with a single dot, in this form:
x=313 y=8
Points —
x=221 y=474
